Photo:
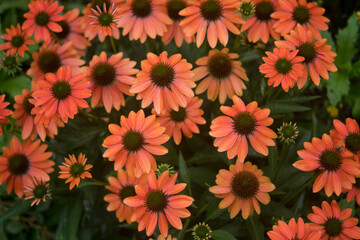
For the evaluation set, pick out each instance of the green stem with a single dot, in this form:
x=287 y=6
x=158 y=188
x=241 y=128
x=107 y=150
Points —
x=98 y=182
x=113 y=44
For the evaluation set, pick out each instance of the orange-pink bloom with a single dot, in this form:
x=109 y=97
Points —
x=159 y=203
x=3 y=112
x=36 y=189
x=242 y=187
x=338 y=169
x=214 y=17
x=164 y=81
x=16 y=40
x=354 y=192
x=133 y=143
x=241 y=123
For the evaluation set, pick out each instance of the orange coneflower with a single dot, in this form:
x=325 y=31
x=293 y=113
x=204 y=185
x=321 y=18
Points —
x=261 y=25
x=122 y=186
x=319 y=59
x=161 y=237
x=20 y=161
x=24 y=103
x=61 y=94
x=143 y=18
x=219 y=15
x=16 y=40
x=242 y=188
x=156 y=205
x=42 y=17
x=282 y=67
x=338 y=169
x=354 y=192
x=333 y=223
x=348 y=136
x=175 y=31
x=4 y=112
x=134 y=142
x=51 y=56
x=72 y=31
x=73 y=169
x=36 y=189
x=222 y=75
x=242 y=123
x=110 y=79
x=293 y=230
x=184 y=120
x=164 y=81
x=293 y=12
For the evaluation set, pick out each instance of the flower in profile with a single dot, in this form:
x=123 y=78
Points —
x=37 y=190
x=347 y=135
x=10 y=62
x=42 y=18
x=222 y=75
x=175 y=31
x=319 y=59
x=60 y=94
x=74 y=169
x=334 y=223
x=293 y=230
x=134 y=142
x=261 y=25
x=242 y=188
x=164 y=81
x=159 y=203
x=185 y=120
x=51 y=56
x=246 y=9
x=201 y=231
x=309 y=15
x=242 y=123
x=288 y=132
x=24 y=104
x=282 y=67
x=143 y=18
x=4 y=112
x=105 y=22
x=72 y=31
x=216 y=17
x=110 y=79
x=20 y=161
x=354 y=192
x=338 y=169
x=16 y=40
x=121 y=187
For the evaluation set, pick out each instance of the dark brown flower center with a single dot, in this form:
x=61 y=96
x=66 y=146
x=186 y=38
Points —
x=211 y=10
x=244 y=123
x=127 y=191
x=357 y=182
x=42 y=18
x=156 y=201
x=76 y=169
x=220 y=66
x=28 y=106
x=333 y=226
x=283 y=66
x=65 y=30
x=17 y=41
x=330 y=160
x=245 y=185
x=18 y=164
x=40 y=191
x=61 y=90
x=308 y=51
x=174 y=7
x=263 y=10
x=178 y=116
x=352 y=142
x=162 y=74
x=49 y=62
x=103 y=74
x=141 y=8
x=133 y=141
x=301 y=14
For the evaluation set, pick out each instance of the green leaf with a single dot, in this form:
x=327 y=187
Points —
x=222 y=235
x=13 y=227
x=184 y=172
x=356 y=108
x=20 y=207
x=14 y=86
x=74 y=216
x=355 y=71
x=255 y=227
x=346 y=40
x=337 y=86
x=273 y=158
x=279 y=107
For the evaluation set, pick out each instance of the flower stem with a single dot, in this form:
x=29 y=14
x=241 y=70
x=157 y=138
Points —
x=113 y=44
x=98 y=182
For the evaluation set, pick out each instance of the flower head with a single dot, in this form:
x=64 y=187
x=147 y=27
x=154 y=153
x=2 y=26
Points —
x=20 y=161
x=201 y=231
x=133 y=143
x=354 y=192
x=222 y=75
x=164 y=81
x=3 y=112
x=246 y=9
x=338 y=169
x=157 y=204
x=37 y=190
x=163 y=167
x=334 y=223
x=242 y=123
x=10 y=62
x=288 y=132
x=16 y=40
x=242 y=188
x=74 y=169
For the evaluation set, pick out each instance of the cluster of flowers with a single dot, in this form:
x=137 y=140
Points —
x=60 y=84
